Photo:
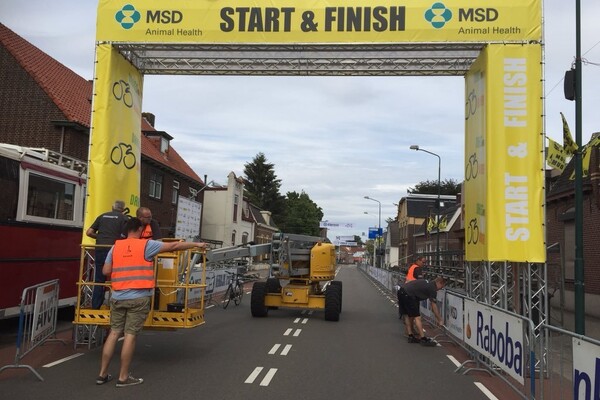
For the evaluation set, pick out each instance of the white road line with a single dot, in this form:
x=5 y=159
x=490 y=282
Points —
x=286 y=349
x=310 y=312
x=485 y=391
x=62 y=360
x=253 y=375
x=297 y=333
x=454 y=360
x=274 y=348
x=267 y=379
x=297 y=320
x=211 y=306
x=287 y=332
x=305 y=320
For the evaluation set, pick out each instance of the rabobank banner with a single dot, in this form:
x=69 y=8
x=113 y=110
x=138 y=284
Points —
x=586 y=370
x=497 y=335
x=318 y=21
x=504 y=180
x=114 y=157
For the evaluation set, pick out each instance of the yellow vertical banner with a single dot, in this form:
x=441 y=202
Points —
x=475 y=160
x=504 y=202
x=115 y=150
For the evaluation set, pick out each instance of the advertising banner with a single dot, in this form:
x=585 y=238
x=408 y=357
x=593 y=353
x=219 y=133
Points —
x=45 y=310
x=114 y=158
x=586 y=370
x=318 y=21
x=453 y=317
x=496 y=335
x=188 y=219
x=504 y=162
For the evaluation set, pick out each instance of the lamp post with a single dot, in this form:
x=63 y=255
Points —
x=378 y=232
x=439 y=192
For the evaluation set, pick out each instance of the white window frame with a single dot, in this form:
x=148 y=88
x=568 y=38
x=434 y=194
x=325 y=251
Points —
x=78 y=200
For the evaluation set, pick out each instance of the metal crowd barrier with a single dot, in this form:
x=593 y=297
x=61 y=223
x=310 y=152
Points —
x=572 y=368
x=37 y=321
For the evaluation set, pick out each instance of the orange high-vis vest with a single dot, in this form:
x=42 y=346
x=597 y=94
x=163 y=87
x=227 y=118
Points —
x=130 y=269
x=147 y=232
x=410 y=275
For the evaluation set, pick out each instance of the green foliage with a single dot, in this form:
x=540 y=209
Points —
x=448 y=187
x=302 y=215
x=262 y=187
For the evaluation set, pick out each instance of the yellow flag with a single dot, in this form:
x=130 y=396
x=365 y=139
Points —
x=429 y=224
x=556 y=156
x=568 y=143
x=443 y=223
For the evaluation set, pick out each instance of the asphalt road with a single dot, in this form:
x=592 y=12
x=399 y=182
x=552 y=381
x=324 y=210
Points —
x=289 y=355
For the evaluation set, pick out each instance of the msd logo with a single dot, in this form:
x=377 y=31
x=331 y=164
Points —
x=127 y=16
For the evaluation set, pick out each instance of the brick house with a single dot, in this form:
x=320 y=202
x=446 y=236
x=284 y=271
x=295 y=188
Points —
x=560 y=236
x=413 y=211
x=44 y=104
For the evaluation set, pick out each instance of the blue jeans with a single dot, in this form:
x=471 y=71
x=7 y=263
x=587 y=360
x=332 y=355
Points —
x=98 y=293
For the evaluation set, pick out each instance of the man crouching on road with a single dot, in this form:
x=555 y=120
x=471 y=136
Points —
x=131 y=268
x=409 y=296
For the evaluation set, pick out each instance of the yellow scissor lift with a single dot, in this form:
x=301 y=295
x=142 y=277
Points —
x=178 y=301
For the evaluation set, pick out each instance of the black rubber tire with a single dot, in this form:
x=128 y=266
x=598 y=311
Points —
x=333 y=296
x=338 y=283
x=257 y=300
x=239 y=291
x=273 y=285
x=227 y=297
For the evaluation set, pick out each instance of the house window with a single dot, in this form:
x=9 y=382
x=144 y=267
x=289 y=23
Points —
x=156 y=185
x=236 y=200
x=244 y=237
x=175 y=193
x=233 y=238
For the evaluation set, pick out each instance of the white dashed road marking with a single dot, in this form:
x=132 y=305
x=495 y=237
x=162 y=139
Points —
x=289 y=331
x=267 y=379
x=253 y=375
x=485 y=391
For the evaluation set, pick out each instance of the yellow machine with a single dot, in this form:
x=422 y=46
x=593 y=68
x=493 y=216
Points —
x=179 y=294
x=301 y=276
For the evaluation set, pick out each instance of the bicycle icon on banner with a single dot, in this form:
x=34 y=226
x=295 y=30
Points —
x=122 y=153
x=471 y=105
x=122 y=91
x=473 y=232
x=472 y=167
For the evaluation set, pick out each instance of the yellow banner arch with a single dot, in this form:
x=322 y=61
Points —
x=318 y=21
x=114 y=161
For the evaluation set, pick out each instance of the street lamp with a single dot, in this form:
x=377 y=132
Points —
x=378 y=231
x=439 y=192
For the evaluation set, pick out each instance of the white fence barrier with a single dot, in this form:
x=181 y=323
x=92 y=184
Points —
x=37 y=321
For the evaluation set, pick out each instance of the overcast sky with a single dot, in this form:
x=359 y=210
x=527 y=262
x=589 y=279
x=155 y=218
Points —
x=337 y=138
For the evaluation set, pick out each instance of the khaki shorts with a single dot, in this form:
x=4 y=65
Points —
x=129 y=315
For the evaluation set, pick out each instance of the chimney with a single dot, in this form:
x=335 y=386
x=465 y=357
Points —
x=150 y=118
x=266 y=216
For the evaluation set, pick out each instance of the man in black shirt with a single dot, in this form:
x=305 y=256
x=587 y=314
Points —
x=106 y=229
x=409 y=296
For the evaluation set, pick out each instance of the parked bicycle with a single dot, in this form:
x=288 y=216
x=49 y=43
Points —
x=234 y=291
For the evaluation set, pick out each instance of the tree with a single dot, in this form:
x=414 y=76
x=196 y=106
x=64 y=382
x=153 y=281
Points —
x=302 y=215
x=262 y=187
x=448 y=187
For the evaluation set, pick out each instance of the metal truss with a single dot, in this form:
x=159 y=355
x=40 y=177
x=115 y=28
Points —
x=414 y=59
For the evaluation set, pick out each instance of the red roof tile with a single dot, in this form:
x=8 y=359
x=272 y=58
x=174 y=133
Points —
x=71 y=93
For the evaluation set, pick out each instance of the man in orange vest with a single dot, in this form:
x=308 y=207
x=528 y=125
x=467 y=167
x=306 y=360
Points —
x=131 y=268
x=415 y=271
x=151 y=228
